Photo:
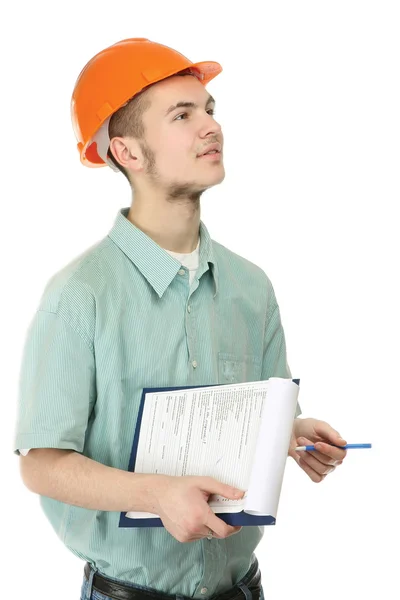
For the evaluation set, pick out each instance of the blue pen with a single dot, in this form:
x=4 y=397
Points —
x=346 y=447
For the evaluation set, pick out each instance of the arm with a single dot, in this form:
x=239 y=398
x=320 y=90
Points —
x=181 y=502
x=70 y=477
x=55 y=407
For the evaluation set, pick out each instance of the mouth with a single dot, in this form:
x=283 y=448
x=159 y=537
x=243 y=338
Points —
x=213 y=150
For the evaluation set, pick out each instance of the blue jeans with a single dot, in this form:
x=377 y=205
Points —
x=94 y=595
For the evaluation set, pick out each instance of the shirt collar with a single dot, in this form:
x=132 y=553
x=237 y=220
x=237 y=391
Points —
x=155 y=264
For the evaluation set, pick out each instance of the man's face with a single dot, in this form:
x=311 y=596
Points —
x=179 y=129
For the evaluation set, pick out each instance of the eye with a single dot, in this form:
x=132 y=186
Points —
x=185 y=115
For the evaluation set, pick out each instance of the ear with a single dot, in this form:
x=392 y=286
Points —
x=128 y=153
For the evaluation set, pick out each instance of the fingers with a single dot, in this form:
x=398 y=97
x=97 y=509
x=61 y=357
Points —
x=186 y=513
x=325 y=453
x=205 y=532
x=219 y=527
x=316 y=466
x=213 y=486
x=319 y=463
x=315 y=457
x=334 y=454
x=237 y=529
x=313 y=475
x=228 y=532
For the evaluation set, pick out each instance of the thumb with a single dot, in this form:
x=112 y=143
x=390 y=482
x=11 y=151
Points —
x=213 y=486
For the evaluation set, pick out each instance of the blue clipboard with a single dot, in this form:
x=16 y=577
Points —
x=235 y=519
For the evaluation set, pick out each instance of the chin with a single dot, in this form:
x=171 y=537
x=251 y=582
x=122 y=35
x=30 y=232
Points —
x=196 y=186
x=214 y=179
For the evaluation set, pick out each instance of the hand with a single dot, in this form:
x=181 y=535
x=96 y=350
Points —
x=325 y=458
x=182 y=504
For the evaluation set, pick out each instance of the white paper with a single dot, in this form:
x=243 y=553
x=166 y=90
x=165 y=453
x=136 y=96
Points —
x=272 y=447
x=214 y=431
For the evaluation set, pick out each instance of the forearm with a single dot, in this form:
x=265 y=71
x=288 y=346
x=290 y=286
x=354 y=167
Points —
x=72 y=478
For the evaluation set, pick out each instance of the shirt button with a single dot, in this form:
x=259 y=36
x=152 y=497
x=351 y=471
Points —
x=194 y=364
x=181 y=271
x=204 y=590
x=189 y=308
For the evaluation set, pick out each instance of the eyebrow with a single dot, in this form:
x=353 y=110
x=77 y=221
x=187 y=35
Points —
x=184 y=104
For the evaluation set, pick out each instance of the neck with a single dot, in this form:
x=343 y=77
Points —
x=173 y=223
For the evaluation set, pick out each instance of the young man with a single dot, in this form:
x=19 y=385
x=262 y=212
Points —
x=156 y=303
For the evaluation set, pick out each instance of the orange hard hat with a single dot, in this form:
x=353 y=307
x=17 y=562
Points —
x=113 y=77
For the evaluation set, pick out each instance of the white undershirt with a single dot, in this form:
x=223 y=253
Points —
x=191 y=262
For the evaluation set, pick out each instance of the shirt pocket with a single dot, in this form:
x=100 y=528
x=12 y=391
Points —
x=235 y=368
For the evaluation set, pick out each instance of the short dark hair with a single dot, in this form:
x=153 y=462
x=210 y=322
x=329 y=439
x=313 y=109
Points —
x=128 y=120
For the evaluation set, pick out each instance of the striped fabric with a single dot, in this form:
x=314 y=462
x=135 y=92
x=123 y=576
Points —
x=119 y=318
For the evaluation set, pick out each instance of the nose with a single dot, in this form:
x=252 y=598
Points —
x=210 y=126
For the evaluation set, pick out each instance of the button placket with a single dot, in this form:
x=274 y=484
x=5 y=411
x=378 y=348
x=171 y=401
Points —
x=191 y=334
x=215 y=559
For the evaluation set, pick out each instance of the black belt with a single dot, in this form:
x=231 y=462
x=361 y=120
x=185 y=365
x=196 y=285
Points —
x=119 y=591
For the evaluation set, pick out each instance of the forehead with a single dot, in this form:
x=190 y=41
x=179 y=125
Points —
x=176 y=89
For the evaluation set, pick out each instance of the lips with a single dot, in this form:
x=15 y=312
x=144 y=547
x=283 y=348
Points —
x=211 y=149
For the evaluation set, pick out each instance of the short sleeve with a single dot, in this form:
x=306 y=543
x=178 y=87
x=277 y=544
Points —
x=275 y=358
x=56 y=387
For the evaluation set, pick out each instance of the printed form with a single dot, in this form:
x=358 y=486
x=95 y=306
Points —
x=239 y=434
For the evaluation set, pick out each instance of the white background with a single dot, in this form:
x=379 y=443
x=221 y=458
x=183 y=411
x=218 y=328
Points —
x=309 y=102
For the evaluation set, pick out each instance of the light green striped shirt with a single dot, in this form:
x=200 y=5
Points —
x=119 y=318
